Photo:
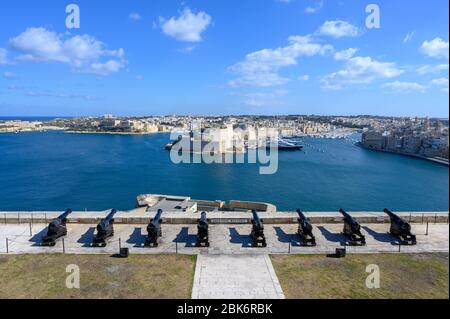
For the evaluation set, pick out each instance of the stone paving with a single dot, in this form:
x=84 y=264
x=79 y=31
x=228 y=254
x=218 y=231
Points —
x=235 y=277
x=230 y=268
x=225 y=239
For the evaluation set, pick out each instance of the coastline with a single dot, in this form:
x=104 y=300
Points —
x=430 y=159
x=113 y=133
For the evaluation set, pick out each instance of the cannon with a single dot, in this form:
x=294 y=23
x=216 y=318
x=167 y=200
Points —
x=352 y=230
x=56 y=229
x=154 y=230
x=202 y=231
x=105 y=230
x=401 y=229
x=257 y=234
x=305 y=230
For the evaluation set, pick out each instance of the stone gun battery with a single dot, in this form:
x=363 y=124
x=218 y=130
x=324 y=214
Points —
x=305 y=230
x=257 y=234
x=105 y=230
x=352 y=230
x=202 y=231
x=401 y=229
x=56 y=229
x=154 y=230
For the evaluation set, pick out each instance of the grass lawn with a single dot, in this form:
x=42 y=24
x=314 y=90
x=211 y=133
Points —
x=101 y=276
x=401 y=276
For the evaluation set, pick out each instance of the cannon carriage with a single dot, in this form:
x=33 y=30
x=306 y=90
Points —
x=401 y=229
x=257 y=234
x=202 y=231
x=56 y=229
x=305 y=230
x=105 y=230
x=352 y=230
x=154 y=230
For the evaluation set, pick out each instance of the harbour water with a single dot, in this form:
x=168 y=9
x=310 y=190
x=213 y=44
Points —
x=55 y=170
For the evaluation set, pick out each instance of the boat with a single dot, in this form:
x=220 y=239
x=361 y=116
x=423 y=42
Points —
x=286 y=145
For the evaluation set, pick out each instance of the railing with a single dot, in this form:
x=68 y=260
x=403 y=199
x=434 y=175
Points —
x=29 y=237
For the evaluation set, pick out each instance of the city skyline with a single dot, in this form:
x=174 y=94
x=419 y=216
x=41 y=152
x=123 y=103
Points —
x=200 y=57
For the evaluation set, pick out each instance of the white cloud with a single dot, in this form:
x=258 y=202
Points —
x=261 y=68
x=59 y=95
x=442 y=83
x=187 y=27
x=345 y=54
x=81 y=52
x=260 y=99
x=433 y=69
x=338 y=29
x=3 y=56
x=315 y=8
x=436 y=48
x=360 y=71
x=408 y=37
x=305 y=77
x=135 y=16
x=111 y=66
x=187 y=49
x=403 y=87
x=9 y=75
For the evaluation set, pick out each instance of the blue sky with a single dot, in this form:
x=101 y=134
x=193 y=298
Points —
x=214 y=57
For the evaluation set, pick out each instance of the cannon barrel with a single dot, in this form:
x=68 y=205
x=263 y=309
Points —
x=305 y=230
x=203 y=220
x=105 y=230
x=154 y=229
x=203 y=232
x=401 y=228
x=105 y=222
x=394 y=217
x=403 y=224
x=257 y=233
x=157 y=219
x=301 y=216
x=347 y=216
x=349 y=219
x=56 y=229
x=61 y=219
x=110 y=216
x=64 y=215
x=256 y=220
x=352 y=229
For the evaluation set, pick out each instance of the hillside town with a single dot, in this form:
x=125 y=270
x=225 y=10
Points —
x=419 y=137
x=424 y=137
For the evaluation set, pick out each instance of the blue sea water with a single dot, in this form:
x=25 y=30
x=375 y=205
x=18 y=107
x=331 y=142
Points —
x=55 y=170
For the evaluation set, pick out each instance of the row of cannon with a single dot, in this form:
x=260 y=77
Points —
x=400 y=229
